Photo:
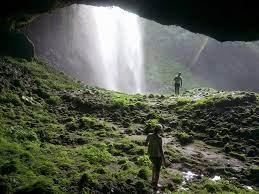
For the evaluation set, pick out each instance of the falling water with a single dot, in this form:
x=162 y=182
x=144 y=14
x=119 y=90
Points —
x=197 y=55
x=119 y=60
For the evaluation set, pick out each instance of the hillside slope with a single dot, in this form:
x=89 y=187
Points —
x=60 y=136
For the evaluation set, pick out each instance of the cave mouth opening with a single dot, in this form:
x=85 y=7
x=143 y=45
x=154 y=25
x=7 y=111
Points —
x=101 y=46
x=117 y=50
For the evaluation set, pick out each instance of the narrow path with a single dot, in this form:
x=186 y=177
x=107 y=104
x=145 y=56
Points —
x=199 y=152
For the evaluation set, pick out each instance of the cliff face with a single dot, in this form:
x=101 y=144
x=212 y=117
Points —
x=230 y=66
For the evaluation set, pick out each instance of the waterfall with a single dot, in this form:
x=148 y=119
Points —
x=117 y=50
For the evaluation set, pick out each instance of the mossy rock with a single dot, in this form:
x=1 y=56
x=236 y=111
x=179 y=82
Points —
x=86 y=181
x=254 y=173
x=40 y=187
x=184 y=138
x=216 y=143
x=4 y=187
x=143 y=174
x=100 y=170
x=141 y=187
x=8 y=168
x=239 y=156
x=11 y=98
x=54 y=100
x=227 y=148
x=41 y=93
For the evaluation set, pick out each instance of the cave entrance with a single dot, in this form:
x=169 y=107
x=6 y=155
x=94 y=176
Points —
x=114 y=49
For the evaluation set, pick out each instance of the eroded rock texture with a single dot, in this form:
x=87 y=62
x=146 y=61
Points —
x=218 y=19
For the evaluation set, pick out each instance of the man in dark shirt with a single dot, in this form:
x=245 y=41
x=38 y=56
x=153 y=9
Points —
x=178 y=82
x=156 y=153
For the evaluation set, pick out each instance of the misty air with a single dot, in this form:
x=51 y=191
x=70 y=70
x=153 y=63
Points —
x=133 y=97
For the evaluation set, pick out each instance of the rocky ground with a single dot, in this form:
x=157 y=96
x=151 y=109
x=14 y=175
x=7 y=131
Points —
x=60 y=136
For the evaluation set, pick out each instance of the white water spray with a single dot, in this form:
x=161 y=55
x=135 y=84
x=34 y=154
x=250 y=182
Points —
x=197 y=55
x=118 y=59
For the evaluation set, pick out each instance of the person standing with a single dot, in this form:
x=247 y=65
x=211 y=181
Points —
x=156 y=153
x=178 y=82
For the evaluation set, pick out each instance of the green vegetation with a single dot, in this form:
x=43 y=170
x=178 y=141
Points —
x=120 y=99
x=163 y=59
x=222 y=186
x=162 y=74
x=184 y=138
x=59 y=136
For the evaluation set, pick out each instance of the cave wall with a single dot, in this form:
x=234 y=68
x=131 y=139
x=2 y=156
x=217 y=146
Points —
x=16 y=44
x=224 y=21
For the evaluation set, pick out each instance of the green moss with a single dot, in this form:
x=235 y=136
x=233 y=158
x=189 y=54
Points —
x=177 y=178
x=95 y=155
x=47 y=76
x=93 y=123
x=144 y=173
x=120 y=99
x=204 y=102
x=238 y=156
x=153 y=122
x=143 y=161
x=183 y=101
x=54 y=100
x=184 y=138
x=222 y=186
x=11 y=98
x=70 y=138
x=40 y=186
x=254 y=172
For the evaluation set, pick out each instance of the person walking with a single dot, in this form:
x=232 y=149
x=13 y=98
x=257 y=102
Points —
x=156 y=153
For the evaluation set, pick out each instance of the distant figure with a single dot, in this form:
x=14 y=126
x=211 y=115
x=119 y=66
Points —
x=178 y=82
x=156 y=153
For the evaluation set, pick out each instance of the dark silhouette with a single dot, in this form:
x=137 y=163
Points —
x=178 y=82
x=156 y=153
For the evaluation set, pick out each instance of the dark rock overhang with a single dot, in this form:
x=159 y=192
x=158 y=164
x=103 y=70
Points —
x=222 y=20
